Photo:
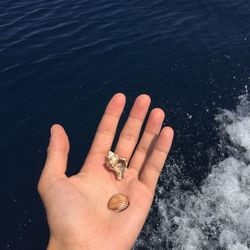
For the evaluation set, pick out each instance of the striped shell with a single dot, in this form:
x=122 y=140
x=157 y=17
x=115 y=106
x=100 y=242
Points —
x=118 y=202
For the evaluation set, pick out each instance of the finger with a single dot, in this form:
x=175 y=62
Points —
x=154 y=164
x=57 y=156
x=107 y=128
x=131 y=131
x=149 y=136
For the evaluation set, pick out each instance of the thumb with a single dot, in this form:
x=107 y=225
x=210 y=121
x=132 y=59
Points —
x=57 y=157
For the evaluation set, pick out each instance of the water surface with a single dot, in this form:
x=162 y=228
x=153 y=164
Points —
x=61 y=61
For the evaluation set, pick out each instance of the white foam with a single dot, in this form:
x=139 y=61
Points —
x=218 y=215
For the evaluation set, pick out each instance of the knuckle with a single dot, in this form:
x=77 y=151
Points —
x=161 y=151
x=46 y=182
x=154 y=167
x=105 y=131
x=129 y=136
x=142 y=148
x=40 y=186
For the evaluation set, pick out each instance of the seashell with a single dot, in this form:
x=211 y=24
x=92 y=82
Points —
x=116 y=164
x=112 y=159
x=118 y=202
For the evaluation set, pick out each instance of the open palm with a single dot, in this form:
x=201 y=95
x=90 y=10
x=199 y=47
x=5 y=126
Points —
x=76 y=206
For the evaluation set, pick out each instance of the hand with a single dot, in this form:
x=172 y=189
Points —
x=76 y=206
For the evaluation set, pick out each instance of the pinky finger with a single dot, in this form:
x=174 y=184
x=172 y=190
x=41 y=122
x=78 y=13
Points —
x=153 y=166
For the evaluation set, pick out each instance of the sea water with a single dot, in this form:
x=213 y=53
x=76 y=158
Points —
x=215 y=215
x=61 y=61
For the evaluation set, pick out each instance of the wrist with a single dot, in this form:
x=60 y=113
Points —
x=64 y=245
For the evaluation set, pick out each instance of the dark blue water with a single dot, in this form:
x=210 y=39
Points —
x=61 y=61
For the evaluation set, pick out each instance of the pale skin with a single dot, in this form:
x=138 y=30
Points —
x=76 y=206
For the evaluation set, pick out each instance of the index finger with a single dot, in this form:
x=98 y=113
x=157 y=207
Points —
x=107 y=128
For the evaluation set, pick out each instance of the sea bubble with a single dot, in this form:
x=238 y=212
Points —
x=217 y=214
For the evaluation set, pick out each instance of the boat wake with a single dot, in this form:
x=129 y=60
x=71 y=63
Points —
x=215 y=215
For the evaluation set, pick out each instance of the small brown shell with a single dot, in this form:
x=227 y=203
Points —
x=118 y=202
